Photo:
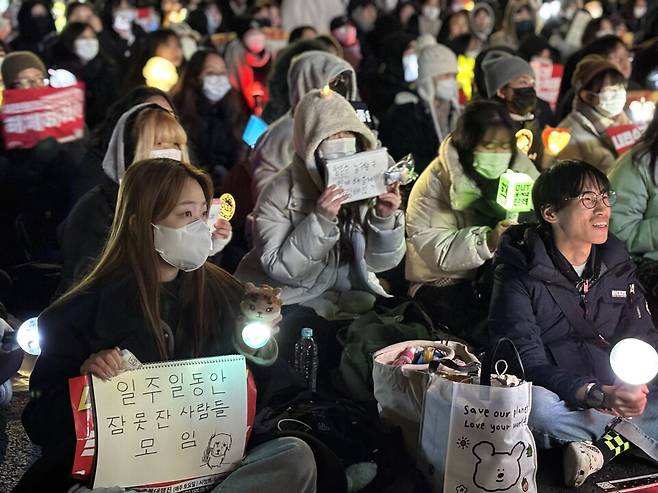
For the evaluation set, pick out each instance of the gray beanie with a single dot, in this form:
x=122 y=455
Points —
x=500 y=68
x=436 y=60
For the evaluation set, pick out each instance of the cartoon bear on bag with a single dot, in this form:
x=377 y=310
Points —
x=497 y=471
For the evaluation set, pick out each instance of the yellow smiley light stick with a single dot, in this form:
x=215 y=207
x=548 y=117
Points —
x=226 y=206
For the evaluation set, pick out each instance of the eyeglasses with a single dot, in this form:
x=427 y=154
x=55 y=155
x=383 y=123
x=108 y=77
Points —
x=590 y=199
x=30 y=83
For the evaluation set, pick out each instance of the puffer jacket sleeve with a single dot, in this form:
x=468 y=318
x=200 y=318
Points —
x=385 y=245
x=292 y=254
x=630 y=220
x=511 y=315
x=433 y=227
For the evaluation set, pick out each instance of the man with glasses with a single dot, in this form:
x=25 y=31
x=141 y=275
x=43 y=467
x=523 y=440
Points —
x=565 y=292
x=23 y=70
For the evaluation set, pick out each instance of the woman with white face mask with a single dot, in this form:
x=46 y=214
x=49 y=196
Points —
x=153 y=293
x=77 y=50
x=322 y=249
x=427 y=114
x=600 y=90
x=211 y=113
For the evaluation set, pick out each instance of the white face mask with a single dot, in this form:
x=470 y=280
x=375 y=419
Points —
x=86 y=49
x=431 y=12
x=255 y=40
x=612 y=102
x=446 y=89
x=174 y=154
x=185 y=248
x=638 y=12
x=410 y=65
x=215 y=87
x=337 y=148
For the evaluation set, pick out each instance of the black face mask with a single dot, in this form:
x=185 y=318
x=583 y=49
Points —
x=523 y=28
x=42 y=25
x=524 y=100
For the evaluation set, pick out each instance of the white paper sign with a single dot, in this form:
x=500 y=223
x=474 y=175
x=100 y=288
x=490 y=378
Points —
x=360 y=175
x=170 y=422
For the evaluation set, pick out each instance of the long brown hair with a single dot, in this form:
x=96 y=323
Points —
x=149 y=191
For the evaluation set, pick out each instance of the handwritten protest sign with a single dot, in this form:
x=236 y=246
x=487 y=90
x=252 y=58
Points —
x=361 y=175
x=177 y=426
x=32 y=115
x=625 y=136
x=548 y=78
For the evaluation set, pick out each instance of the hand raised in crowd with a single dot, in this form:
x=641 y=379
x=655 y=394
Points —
x=103 y=364
x=389 y=202
x=624 y=400
x=493 y=236
x=222 y=229
x=330 y=201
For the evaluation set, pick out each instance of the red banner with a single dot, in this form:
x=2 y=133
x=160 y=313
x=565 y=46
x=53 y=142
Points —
x=625 y=136
x=548 y=77
x=32 y=115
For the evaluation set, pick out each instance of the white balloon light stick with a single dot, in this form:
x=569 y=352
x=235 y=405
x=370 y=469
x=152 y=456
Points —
x=635 y=362
x=28 y=336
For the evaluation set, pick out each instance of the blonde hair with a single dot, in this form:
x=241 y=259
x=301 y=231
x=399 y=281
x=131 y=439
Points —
x=154 y=125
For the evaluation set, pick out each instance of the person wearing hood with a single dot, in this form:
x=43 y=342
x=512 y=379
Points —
x=427 y=20
x=322 y=252
x=398 y=68
x=520 y=19
x=153 y=293
x=279 y=101
x=510 y=80
x=429 y=114
x=213 y=114
x=565 y=292
x=600 y=90
x=35 y=24
x=311 y=70
x=481 y=21
x=119 y=21
x=144 y=131
x=249 y=61
x=77 y=50
x=453 y=221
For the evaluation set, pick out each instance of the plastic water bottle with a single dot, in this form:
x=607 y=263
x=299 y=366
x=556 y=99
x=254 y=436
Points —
x=306 y=358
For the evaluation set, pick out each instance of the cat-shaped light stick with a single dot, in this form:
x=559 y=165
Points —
x=261 y=313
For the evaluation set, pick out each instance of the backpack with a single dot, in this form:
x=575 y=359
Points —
x=368 y=334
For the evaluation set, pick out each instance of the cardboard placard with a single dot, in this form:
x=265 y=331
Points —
x=181 y=426
x=32 y=115
x=548 y=78
x=624 y=137
x=361 y=175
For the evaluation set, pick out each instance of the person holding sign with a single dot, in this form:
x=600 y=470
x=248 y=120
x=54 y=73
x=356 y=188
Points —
x=565 y=292
x=153 y=293
x=453 y=221
x=598 y=106
x=311 y=238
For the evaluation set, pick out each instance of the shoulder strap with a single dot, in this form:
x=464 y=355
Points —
x=585 y=328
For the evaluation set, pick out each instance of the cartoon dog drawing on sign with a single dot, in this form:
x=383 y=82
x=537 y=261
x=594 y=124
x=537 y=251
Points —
x=218 y=446
x=497 y=471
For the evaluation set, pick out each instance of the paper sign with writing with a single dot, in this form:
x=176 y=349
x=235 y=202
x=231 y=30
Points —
x=548 y=78
x=170 y=422
x=624 y=137
x=32 y=115
x=361 y=175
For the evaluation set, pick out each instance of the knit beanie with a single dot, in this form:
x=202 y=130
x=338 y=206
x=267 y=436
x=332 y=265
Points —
x=17 y=61
x=588 y=68
x=500 y=68
x=436 y=60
